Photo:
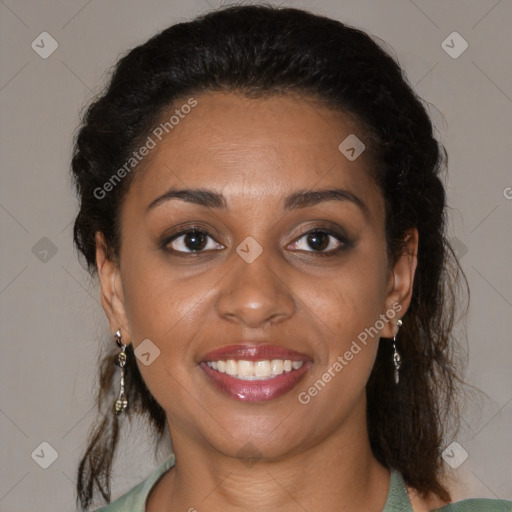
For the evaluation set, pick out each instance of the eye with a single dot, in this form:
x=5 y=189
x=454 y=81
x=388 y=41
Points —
x=194 y=239
x=323 y=242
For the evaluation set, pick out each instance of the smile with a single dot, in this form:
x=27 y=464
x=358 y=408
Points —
x=258 y=370
x=255 y=373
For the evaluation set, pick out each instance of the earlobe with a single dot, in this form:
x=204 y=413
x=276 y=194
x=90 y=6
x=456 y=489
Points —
x=111 y=289
x=403 y=272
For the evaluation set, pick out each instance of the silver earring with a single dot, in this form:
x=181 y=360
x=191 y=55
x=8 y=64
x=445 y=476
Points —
x=397 y=360
x=121 y=403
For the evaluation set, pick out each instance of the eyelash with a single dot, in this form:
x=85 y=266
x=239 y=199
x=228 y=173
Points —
x=346 y=243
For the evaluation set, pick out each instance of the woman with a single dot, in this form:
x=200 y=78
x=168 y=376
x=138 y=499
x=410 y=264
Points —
x=260 y=198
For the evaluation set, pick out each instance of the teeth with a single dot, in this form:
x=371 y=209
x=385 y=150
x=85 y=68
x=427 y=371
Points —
x=262 y=369
x=277 y=366
x=231 y=367
x=257 y=370
x=245 y=368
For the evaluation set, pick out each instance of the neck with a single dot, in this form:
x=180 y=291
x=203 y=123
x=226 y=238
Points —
x=338 y=473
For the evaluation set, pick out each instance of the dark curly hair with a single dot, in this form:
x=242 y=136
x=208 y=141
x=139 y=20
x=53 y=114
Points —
x=263 y=50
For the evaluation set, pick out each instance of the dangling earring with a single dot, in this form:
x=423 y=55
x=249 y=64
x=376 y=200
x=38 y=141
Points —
x=121 y=403
x=397 y=361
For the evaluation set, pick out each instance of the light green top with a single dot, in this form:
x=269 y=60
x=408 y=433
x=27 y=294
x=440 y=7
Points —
x=397 y=500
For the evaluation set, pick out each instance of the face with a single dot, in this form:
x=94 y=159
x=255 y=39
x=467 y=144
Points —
x=303 y=285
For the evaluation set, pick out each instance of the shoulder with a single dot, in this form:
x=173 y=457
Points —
x=477 y=505
x=135 y=499
x=435 y=504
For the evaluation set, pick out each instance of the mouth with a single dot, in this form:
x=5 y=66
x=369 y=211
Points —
x=255 y=373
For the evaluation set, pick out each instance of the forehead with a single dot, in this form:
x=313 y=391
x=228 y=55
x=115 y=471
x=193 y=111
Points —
x=263 y=148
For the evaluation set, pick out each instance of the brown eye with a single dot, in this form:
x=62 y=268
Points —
x=318 y=240
x=322 y=242
x=190 y=240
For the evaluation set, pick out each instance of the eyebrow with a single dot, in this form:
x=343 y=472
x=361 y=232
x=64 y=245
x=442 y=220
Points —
x=300 y=199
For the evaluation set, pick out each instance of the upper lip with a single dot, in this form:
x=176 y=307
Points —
x=248 y=351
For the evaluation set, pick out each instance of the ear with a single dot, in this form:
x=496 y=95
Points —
x=400 y=283
x=112 y=295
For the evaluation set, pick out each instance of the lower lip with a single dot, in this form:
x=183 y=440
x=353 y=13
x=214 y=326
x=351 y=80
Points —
x=255 y=390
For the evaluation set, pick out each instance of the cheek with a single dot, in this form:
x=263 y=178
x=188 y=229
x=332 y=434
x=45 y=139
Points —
x=158 y=300
x=164 y=311
x=350 y=301
x=173 y=312
x=348 y=308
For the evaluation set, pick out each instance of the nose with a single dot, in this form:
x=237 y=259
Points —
x=255 y=294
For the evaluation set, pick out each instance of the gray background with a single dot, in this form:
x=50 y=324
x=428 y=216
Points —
x=52 y=324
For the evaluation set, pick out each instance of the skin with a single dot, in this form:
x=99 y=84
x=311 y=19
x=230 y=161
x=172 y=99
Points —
x=256 y=152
